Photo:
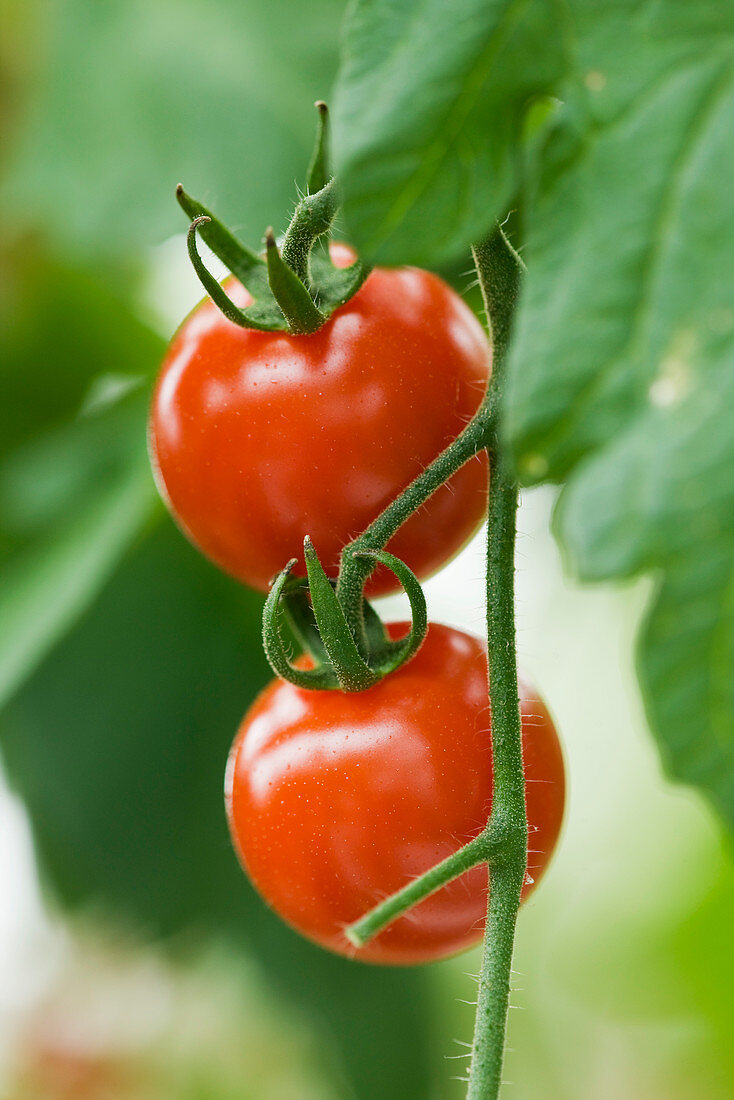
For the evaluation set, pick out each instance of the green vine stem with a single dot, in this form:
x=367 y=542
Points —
x=503 y=843
x=355 y=565
x=499 y=272
x=479 y=850
x=507 y=865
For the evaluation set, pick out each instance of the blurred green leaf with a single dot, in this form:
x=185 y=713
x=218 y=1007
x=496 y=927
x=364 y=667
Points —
x=61 y=327
x=118 y=745
x=45 y=590
x=622 y=372
x=134 y=97
x=429 y=111
x=75 y=488
x=686 y=657
x=661 y=498
x=703 y=955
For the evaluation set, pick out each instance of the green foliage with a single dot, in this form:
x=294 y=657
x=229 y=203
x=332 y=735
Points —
x=75 y=489
x=429 y=111
x=623 y=369
x=621 y=375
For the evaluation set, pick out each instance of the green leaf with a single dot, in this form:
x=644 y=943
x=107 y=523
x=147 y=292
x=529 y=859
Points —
x=429 y=111
x=45 y=589
x=118 y=745
x=61 y=327
x=75 y=487
x=621 y=376
x=686 y=659
x=661 y=499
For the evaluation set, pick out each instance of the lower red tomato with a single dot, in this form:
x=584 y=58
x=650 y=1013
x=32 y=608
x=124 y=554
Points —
x=335 y=801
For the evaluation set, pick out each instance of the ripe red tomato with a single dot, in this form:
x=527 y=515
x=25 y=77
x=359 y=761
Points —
x=335 y=801
x=258 y=439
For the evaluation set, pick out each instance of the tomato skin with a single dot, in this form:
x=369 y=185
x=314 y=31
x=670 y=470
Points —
x=335 y=801
x=258 y=439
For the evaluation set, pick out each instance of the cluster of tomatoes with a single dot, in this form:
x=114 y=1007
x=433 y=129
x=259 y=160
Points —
x=258 y=438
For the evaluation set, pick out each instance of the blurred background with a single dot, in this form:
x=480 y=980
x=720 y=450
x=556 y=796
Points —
x=136 y=961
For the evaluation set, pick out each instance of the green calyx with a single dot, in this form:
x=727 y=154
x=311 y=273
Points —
x=311 y=607
x=295 y=287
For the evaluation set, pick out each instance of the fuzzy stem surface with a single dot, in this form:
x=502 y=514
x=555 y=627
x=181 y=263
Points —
x=470 y=855
x=499 y=269
x=508 y=864
x=354 y=571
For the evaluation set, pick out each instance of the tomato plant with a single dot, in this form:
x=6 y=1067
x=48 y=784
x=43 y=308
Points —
x=316 y=401
x=335 y=801
x=314 y=392
x=259 y=438
x=598 y=143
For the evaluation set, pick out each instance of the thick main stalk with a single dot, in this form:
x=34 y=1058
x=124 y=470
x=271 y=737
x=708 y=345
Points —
x=506 y=867
x=499 y=268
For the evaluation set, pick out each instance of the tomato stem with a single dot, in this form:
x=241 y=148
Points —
x=219 y=296
x=352 y=671
x=355 y=568
x=498 y=265
x=322 y=676
x=312 y=219
x=317 y=621
x=471 y=855
x=507 y=867
x=499 y=269
x=397 y=653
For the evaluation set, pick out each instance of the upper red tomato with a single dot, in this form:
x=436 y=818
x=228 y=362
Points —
x=258 y=439
x=335 y=801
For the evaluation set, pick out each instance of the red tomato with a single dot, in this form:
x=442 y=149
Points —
x=258 y=439
x=335 y=801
